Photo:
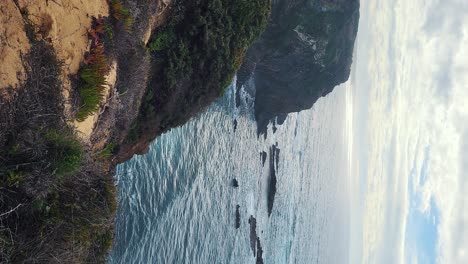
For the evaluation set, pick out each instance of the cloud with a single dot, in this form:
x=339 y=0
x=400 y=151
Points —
x=444 y=22
x=410 y=104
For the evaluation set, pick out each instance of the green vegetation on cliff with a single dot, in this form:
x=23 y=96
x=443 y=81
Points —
x=92 y=74
x=57 y=198
x=207 y=39
x=196 y=55
x=56 y=203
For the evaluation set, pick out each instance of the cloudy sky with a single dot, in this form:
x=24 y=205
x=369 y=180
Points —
x=408 y=130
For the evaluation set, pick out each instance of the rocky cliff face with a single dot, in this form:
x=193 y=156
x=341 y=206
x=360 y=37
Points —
x=304 y=53
x=194 y=58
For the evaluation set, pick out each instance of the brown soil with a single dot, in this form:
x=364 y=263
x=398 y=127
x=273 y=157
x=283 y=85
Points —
x=13 y=43
x=63 y=23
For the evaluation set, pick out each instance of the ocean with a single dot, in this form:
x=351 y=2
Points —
x=177 y=203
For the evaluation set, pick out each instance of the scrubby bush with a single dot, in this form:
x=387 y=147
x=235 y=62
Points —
x=109 y=31
x=194 y=58
x=55 y=205
x=206 y=40
x=106 y=153
x=65 y=152
x=161 y=41
x=92 y=79
x=121 y=13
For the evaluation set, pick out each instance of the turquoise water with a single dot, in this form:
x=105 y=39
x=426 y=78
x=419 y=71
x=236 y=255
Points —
x=177 y=204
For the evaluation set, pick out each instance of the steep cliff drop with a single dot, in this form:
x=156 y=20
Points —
x=304 y=53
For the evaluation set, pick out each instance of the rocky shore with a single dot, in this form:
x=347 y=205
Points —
x=139 y=68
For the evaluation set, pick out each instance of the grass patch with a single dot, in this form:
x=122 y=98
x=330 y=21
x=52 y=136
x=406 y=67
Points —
x=93 y=74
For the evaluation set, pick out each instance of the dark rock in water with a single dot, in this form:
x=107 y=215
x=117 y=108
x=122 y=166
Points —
x=235 y=183
x=281 y=118
x=263 y=156
x=259 y=259
x=279 y=121
x=274 y=158
x=255 y=243
x=235 y=125
x=253 y=233
x=304 y=53
x=271 y=192
x=237 y=216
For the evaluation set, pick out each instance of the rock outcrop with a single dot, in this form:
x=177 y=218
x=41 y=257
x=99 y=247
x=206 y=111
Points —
x=255 y=244
x=253 y=234
x=274 y=159
x=237 y=225
x=234 y=183
x=203 y=52
x=304 y=53
x=259 y=258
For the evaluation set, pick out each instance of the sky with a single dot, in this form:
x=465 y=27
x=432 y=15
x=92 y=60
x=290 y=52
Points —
x=408 y=133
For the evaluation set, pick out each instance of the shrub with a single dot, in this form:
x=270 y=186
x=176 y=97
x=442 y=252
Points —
x=14 y=178
x=203 y=43
x=91 y=99
x=92 y=81
x=6 y=246
x=195 y=57
x=121 y=13
x=109 y=31
x=65 y=152
x=209 y=38
x=128 y=23
x=106 y=152
x=55 y=207
x=161 y=41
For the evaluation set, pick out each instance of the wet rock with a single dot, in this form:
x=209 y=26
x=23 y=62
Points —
x=255 y=243
x=263 y=156
x=274 y=159
x=234 y=183
x=237 y=225
x=259 y=258
x=253 y=234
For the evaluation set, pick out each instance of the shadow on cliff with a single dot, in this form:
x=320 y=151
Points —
x=303 y=54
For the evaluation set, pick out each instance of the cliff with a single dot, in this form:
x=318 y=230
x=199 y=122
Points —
x=303 y=54
x=80 y=94
x=194 y=57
